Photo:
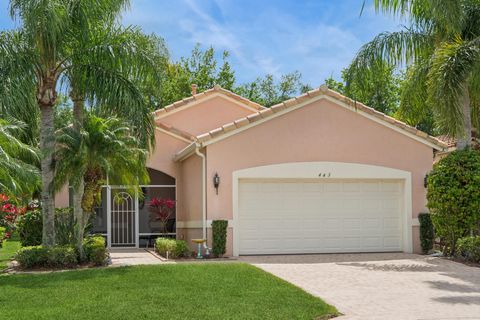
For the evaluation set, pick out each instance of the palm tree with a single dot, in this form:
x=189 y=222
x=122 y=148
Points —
x=60 y=46
x=441 y=46
x=100 y=149
x=18 y=171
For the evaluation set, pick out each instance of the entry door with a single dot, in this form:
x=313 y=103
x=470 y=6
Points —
x=295 y=216
x=123 y=218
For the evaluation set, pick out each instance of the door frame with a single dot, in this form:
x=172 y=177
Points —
x=137 y=212
x=324 y=171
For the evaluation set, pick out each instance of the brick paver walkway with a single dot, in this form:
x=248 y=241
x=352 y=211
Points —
x=383 y=286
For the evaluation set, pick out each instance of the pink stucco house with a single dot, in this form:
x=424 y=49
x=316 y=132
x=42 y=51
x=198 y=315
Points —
x=317 y=173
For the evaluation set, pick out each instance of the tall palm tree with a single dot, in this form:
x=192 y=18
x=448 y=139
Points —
x=18 y=171
x=441 y=46
x=53 y=49
x=99 y=149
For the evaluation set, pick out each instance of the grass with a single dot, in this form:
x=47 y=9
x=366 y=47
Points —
x=9 y=248
x=182 y=291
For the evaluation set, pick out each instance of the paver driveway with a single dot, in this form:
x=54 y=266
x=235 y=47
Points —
x=383 y=286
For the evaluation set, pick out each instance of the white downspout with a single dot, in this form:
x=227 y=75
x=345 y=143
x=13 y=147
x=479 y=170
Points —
x=204 y=193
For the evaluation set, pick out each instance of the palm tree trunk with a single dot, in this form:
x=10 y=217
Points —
x=46 y=100
x=465 y=137
x=78 y=191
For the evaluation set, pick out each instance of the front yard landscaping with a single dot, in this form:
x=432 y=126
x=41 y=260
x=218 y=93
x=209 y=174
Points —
x=183 y=291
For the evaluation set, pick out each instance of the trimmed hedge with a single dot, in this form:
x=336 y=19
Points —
x=469 y=248
x=427 y=234
x=175 y=248
x=219 y=235
x=95 y=250
x=41 y=257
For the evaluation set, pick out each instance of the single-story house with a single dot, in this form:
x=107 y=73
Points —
x=319 y=173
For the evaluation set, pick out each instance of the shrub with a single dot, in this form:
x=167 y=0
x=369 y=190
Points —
x=453 y=196
x=219 y=235
x=427 y=234
x=469 y=248
x=62 y=257
x=30 y=228
x=175 y=248
x=32 y=257
x=41 y=257
x=2 y=235
x=95 y=250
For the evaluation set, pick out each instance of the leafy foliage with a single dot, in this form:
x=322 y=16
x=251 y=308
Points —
x=377 y=87
x=175 y=248
x=64 y=226
x=469 y=248
x=2 y=235
x=18 y=171
x=219 y=235
x=442 y=47
x=95 y=250
x=43 y=257
x=29 y=227
x=453 y=196
x=427 y=233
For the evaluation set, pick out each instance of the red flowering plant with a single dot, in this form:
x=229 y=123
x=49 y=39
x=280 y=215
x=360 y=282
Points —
x=8 y=214
x=163 y=209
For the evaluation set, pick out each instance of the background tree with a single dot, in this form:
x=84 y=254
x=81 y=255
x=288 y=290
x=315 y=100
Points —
x=377 y=87
x=441 y=46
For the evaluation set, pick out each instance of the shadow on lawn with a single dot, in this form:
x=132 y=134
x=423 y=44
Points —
x=51 y=279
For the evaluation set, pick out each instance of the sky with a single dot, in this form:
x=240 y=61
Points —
x=318 y=38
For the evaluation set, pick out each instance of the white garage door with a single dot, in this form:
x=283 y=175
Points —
x=291 y=216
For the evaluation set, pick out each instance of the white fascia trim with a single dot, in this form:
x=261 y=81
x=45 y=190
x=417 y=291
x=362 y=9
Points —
x=337 y=170
x=173 y=135
x=208 y=97
x=185 y=152
x=314 y=99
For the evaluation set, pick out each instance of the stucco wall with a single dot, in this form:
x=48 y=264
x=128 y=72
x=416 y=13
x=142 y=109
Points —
x=321 y=131
x=189 y=192
x=206 y=115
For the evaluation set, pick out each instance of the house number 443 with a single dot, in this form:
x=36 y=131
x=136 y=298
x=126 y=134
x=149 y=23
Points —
x=324 y=175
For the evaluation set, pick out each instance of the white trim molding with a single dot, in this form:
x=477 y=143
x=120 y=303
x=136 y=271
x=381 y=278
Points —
x=335 y=170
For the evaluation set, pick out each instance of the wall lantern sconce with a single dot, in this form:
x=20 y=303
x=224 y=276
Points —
x=216 y=182
x=425 y=181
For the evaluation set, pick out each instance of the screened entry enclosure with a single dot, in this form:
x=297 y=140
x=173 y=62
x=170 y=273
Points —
x=128 y=219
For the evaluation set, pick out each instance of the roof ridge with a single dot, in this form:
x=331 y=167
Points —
x=322 y=90
x=197 y=97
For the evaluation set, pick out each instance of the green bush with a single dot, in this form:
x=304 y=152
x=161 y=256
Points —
x=62 y=257
x=30 y=228
x=41 y=257
x=2 y=235
x=32 y=257
x=453 y=196
x=175 y=248
x=427 y=233
x=219 y=235
x=95 y=250
x=469 y=248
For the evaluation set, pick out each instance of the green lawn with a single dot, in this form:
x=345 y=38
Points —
x=7 y=251
x=182 y=291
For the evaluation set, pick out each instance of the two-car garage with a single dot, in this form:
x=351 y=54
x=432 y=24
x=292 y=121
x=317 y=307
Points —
x=316 y=216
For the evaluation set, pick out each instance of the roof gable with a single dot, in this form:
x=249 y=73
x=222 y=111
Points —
x=208 y=94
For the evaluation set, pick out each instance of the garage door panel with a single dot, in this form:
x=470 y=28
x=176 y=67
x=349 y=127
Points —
x=313 y=217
